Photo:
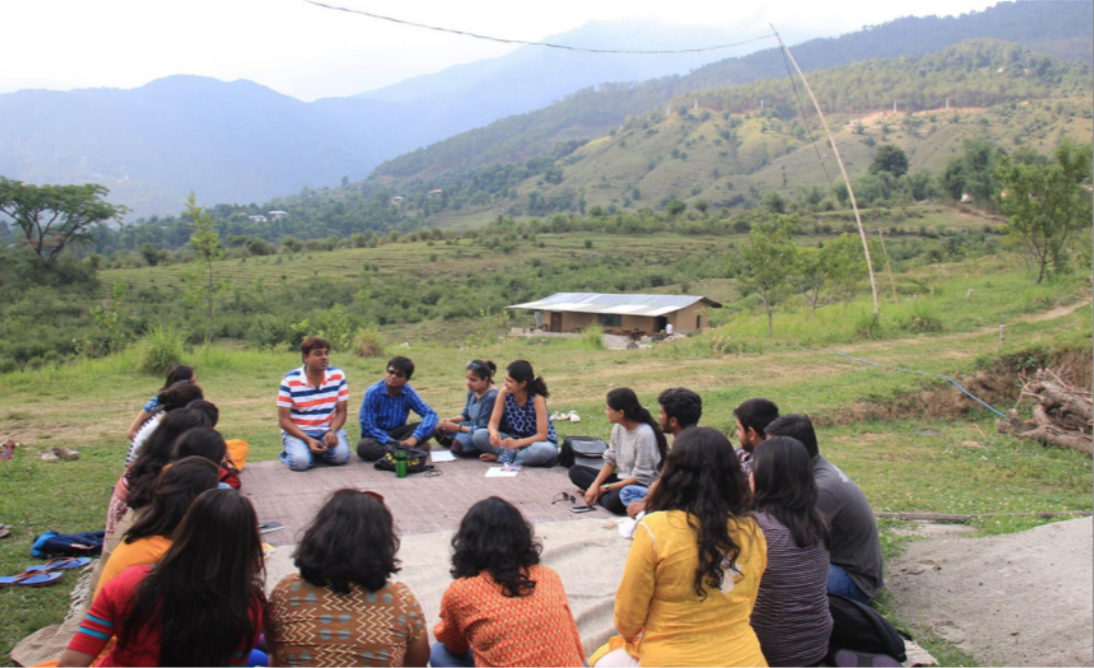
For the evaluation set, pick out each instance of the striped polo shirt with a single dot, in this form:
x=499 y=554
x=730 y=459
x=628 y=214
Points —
x=311 y=407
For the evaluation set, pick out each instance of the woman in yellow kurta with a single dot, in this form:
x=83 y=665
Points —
x=694 y=567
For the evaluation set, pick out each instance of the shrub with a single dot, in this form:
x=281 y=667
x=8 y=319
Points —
x=592 y=337
x=368 y=343
x=161 y=349
x=869 y=326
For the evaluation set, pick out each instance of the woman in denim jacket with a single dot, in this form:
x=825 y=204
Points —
x=457 y=432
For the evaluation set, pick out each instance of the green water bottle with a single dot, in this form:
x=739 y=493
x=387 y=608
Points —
x=400 y=463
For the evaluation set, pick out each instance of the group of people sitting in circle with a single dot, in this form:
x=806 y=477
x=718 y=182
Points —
x=508 y=424
x=732 y=557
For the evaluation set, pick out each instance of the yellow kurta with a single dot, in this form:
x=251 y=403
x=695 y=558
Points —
x=658 y=613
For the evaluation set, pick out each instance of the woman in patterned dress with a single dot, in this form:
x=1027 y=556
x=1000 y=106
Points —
x=343 y=609
x=520 y=429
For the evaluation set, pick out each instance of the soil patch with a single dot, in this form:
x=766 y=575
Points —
x=1020 y=599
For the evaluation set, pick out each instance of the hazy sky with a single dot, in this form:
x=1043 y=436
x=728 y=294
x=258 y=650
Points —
x=310 y=52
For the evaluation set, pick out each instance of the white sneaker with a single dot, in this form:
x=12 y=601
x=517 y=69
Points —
x=573 y=417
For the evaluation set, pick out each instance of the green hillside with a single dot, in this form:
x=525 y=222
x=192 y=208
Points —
x=722 y=147
x=1059 y=29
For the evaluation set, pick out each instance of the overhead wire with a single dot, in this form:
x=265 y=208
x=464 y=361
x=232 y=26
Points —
x=551 y=45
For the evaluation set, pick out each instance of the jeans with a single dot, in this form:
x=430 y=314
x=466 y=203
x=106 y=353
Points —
x=584 y=477
x=298 y=457
x=540 y=453
x=632 y=493
x=840 y=583
x=440 y=657
x=463 y=444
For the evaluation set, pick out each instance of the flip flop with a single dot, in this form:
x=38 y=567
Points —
x=31 y=579
x=5 y=531
x=60 y=564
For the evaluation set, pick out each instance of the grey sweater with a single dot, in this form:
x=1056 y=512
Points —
x=634 y=453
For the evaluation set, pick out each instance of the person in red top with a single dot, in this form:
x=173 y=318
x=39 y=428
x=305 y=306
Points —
x=201 y=605
x=503 y=609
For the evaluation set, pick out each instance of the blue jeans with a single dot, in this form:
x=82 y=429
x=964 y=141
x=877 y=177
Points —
x=466 y=441
x=540 y=453
x=632 y=493
x=440 y=657
x=298 y=457
x=840 y=583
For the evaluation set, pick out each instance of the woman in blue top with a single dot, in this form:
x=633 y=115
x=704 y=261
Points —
x=457 y=432
x=529 y=439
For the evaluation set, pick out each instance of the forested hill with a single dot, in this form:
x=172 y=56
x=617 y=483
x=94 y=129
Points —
x=728 y=153
x=1060 y=28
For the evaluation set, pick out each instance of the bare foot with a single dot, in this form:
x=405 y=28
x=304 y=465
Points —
x=487 y=457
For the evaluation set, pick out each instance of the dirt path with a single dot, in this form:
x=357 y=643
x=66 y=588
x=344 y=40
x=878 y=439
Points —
x=1020 y=599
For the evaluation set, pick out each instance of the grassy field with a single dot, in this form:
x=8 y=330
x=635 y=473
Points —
x=967 y=468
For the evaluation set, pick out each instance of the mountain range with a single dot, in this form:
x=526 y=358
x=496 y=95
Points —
x=241 y=142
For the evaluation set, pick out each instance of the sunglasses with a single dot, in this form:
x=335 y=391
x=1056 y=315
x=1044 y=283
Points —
x=374 y=495
x=397 y=374
x=475 y=365
x=564 y=496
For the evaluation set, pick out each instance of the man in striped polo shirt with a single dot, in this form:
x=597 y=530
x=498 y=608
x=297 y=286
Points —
x=311 y=408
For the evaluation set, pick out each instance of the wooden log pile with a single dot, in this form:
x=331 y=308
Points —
x=1062 y=414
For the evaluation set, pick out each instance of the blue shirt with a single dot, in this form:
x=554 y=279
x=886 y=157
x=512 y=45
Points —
x=381 y=412
x=476 y=414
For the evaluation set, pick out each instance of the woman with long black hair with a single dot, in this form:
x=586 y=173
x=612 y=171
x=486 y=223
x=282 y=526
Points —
x=201 y=605
x=694 y=567
x=503 y=608
x=133 y=488
x=521 y=407
x=791 y=616
x=637 y=449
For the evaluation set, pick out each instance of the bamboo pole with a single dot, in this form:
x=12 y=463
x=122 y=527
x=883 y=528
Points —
x=843 y=169
x=888 y=266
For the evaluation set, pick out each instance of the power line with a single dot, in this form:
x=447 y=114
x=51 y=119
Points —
x=503 y=40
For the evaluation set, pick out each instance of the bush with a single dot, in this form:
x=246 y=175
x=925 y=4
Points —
x=921 y=321
x=368 y=343
x=161 y=349
x=869 y=326
x=592 y=337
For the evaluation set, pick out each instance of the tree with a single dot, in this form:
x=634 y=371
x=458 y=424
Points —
x=676 y=207
x=1046 y=205
x=890 y=158
x=767 y=261
x=201 y=277
x=51 y=217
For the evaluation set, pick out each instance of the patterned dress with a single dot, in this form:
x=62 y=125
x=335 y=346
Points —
x=533 y=630
x=522 y=424
x=314 y=626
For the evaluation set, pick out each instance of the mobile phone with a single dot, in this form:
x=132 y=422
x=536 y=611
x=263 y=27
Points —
x=270 y=527
x=577 y=510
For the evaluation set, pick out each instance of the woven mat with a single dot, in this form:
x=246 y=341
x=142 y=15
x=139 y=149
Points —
x=588 y=557
x=420 y=504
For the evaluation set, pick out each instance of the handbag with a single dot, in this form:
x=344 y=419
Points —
x=582 y=450
x=416 y=459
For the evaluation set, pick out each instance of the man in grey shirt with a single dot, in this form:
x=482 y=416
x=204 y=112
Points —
x=855 y=570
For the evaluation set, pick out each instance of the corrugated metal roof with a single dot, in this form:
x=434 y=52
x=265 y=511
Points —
x=630 y=304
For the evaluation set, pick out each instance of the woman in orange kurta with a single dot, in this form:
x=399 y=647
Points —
x=694 y=567
x=503 y=609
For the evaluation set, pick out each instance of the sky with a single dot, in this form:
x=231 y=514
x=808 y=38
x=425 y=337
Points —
x=310 y=52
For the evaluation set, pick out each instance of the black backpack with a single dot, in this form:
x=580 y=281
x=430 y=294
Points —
x=416 y=459
x=584 y=450
x=860 y=628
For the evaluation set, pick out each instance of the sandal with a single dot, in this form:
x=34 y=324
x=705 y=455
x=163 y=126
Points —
x=5 y=531
x=60 y=564
x=31 y=579
x=7 y=450
x=66 y=454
